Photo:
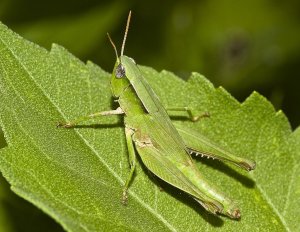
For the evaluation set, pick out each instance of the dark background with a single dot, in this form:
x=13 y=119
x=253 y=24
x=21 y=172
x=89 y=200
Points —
x=242 y=45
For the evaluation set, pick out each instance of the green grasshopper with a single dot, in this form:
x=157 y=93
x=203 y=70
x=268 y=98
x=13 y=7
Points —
x=164 y=149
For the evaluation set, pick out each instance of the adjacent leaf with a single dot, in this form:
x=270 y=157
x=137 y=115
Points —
x=5 y=223
x=16 y=214
x=2 y=140
x=93 y=24
x=76 y=175
x=219 y=38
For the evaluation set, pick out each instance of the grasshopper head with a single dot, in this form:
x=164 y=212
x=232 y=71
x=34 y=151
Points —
x=119 y=82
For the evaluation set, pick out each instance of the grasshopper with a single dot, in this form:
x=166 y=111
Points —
x=164 y=149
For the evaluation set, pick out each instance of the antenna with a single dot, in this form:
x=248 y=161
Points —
x=114 y=46
x=126 y=31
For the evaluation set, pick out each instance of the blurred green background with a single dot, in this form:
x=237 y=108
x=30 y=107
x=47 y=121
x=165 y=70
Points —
x=242 y=45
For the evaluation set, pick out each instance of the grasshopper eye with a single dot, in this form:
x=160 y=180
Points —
x=120 y=71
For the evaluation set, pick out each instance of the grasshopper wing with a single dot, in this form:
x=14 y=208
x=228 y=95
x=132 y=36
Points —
x=147 y=96
x=172 y=174
x=169 y=160
x=199 y=144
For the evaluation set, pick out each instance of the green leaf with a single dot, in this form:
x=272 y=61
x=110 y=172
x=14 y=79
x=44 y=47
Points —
x=6 y=225
x=221 y=38
x=76 y=175
x=93 y=24
x=2 y=140
x=13 y=209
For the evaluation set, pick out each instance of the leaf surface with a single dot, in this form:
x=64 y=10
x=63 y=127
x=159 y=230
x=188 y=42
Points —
x=76 y=175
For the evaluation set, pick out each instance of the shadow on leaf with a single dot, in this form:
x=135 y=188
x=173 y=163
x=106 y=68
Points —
x=183 y=197
x=99 y=126
x=224 y=168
